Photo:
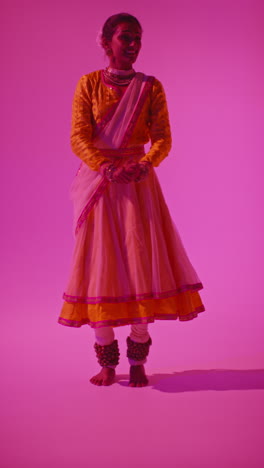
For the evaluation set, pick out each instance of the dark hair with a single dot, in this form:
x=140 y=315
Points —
x=113 y=21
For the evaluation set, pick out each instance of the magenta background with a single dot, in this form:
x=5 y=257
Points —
x=209 y=57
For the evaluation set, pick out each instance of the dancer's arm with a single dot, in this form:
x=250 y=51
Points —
x=82 y=128
x=160 y=133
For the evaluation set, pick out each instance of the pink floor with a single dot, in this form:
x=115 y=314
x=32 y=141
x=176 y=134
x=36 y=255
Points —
x=198 y=410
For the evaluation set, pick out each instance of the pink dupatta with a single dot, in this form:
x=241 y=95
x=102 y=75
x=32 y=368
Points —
x=113 y=133
x=150 y=261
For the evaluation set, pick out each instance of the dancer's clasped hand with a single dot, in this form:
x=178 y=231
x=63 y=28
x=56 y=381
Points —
x=128 y=172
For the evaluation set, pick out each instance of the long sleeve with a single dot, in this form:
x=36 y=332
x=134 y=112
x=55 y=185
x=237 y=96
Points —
x=160 y=133
x=82 y=126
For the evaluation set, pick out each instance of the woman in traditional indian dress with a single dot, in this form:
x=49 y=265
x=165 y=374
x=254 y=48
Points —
x=129 y=266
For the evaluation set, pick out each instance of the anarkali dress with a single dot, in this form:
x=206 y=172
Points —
x=129 y=264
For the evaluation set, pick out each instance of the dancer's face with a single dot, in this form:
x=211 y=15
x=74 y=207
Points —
x=124 y=46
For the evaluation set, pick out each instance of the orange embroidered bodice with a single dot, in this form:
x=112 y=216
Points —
x=93 y=99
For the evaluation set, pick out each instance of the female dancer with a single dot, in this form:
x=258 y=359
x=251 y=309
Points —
x=129 y=265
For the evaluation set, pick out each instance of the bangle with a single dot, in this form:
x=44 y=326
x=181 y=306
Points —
x=145 y=167
x=109 y=172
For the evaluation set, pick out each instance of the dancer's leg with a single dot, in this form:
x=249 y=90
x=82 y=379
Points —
x=137 y=350
x=139 y=334
x=107 y=352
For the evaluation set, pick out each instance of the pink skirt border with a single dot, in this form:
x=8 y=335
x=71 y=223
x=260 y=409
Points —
x=130 y=321
x=136 y=297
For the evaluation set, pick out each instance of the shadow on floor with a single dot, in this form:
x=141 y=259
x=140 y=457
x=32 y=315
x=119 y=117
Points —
x=197 y=380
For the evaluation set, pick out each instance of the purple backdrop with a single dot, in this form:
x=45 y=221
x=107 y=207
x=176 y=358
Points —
x=209 y=57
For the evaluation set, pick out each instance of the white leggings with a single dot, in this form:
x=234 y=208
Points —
x=139 y=334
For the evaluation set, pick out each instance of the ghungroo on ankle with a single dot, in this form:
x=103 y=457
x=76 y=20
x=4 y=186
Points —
x=137 y=351
x=107 y=355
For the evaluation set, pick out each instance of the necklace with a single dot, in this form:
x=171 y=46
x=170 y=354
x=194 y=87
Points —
x=118 y=77
x=115 y=71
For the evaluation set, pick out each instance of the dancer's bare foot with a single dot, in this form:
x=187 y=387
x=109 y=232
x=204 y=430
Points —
x=105 y=377
x=138 y=377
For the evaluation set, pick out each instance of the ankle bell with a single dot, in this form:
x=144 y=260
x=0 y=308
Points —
x=138 y=351
x=107 y=355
